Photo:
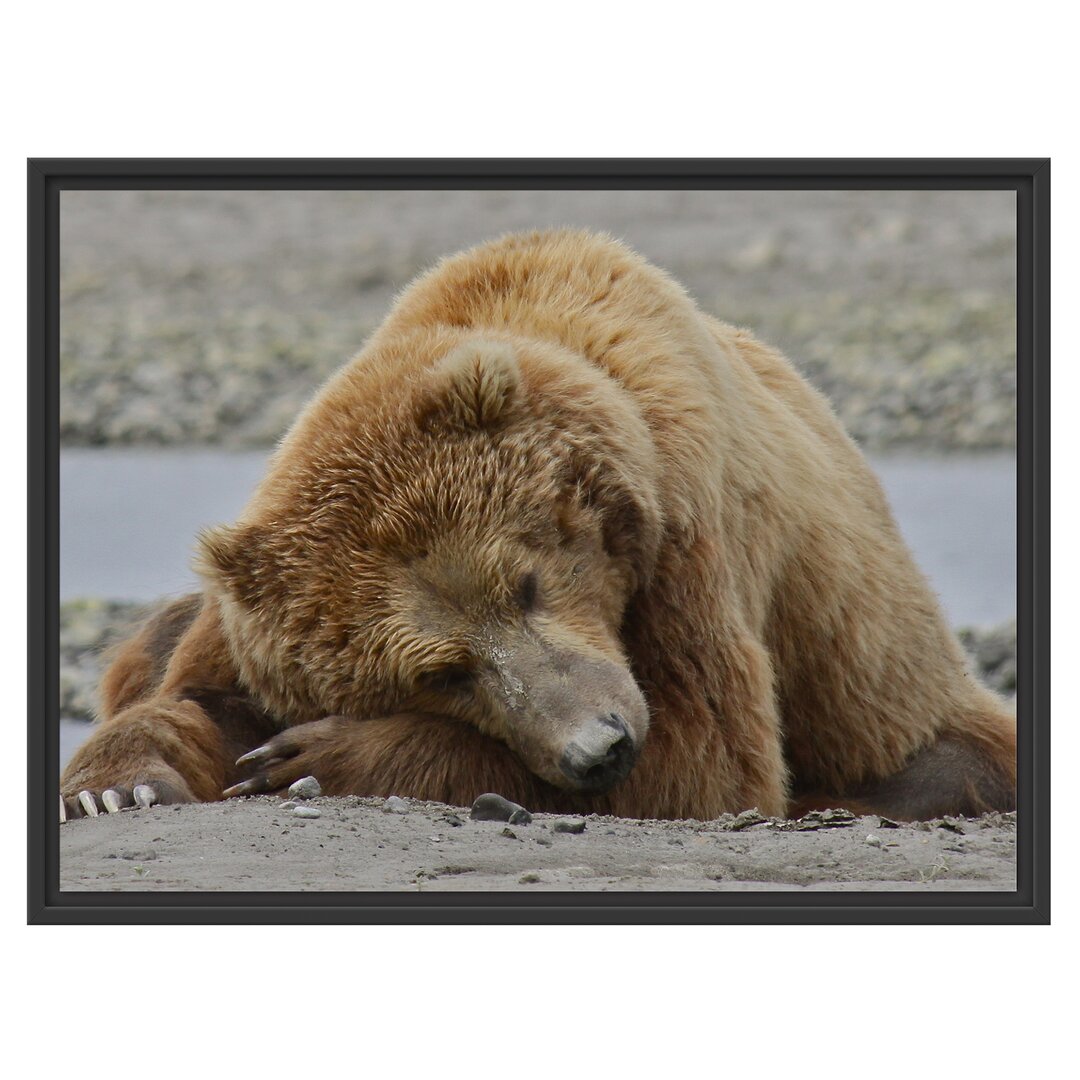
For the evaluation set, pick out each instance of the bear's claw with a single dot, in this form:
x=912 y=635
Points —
x=145 y=796
x=278 y=750
x=257 y=785
x=262 y=755
x=117 y=799
x=113 y=800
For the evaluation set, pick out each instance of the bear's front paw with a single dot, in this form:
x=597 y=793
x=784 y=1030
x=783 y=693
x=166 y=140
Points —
x=147 y=791
x=304 y=750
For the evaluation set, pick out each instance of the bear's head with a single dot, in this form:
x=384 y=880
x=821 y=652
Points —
x=456 y=525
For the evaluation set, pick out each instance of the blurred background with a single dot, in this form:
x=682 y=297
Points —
x=195 y=324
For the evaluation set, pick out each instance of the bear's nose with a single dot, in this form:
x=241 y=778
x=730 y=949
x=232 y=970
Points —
x=600 y=755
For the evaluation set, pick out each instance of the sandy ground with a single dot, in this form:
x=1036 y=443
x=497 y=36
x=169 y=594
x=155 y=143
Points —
x=357 y=845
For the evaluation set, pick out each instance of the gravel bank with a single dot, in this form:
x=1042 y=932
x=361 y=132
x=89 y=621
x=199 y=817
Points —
x=256 y=844
x=210 y=317
x=89 y=627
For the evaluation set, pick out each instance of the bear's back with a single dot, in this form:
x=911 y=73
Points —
x=598 y=300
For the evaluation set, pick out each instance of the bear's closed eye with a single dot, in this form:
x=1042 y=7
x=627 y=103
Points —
x=526 y=592
x=454 y=679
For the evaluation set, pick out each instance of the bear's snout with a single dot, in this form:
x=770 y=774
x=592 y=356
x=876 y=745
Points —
x=576 y=719
x=600 y=754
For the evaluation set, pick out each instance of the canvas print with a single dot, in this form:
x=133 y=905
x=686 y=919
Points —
x=538 y=541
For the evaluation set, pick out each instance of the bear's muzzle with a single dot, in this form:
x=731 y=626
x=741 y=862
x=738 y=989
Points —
x=600 y=754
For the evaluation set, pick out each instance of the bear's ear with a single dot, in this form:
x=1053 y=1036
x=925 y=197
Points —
x=229 y=556
x=473 y=386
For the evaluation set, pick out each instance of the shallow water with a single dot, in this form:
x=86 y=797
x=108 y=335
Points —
x=73 y=733
x=128 y=518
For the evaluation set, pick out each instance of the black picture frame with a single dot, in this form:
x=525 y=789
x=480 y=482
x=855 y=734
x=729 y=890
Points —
x=1028 y=177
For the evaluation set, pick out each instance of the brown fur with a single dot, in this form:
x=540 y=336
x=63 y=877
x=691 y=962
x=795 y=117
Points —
x=551 y=491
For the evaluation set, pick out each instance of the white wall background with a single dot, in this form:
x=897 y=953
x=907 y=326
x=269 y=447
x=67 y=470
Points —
x=681 y=78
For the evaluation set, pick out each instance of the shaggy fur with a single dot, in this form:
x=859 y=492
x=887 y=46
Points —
x=549 y=495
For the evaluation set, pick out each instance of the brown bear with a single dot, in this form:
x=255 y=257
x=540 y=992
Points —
x=558 y=534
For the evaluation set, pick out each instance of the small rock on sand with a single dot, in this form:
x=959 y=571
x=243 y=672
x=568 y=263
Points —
x=492 y=807
x=306 y=788
x=746 y=820
x=395 y=805
x=949 y=823
x=306 y=811
x=569 y=825
x=825 y=819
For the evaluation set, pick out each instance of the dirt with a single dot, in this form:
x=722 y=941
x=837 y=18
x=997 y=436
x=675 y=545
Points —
x=355 y=845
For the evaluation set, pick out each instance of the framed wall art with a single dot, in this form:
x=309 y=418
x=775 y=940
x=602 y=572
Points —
x=539 y=541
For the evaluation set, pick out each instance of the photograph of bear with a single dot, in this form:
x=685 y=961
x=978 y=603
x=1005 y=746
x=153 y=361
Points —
x=557 y=533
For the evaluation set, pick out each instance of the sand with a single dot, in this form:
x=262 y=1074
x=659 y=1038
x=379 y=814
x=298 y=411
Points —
x=254 y=845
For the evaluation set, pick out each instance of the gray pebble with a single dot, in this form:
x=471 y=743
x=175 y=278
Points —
x=492 y=807
x=394 y=805
x=816 y=819
x=306 y=788
x=289 y=805
x=747 y=820
x=306 y=811
x=510 y=834
x=569 y=825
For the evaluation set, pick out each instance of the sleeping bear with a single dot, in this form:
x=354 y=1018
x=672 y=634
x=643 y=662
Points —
x=555 y=532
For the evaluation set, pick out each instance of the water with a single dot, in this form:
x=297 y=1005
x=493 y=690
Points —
x=128 y=519
x=73 y=733
x=958 y=515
